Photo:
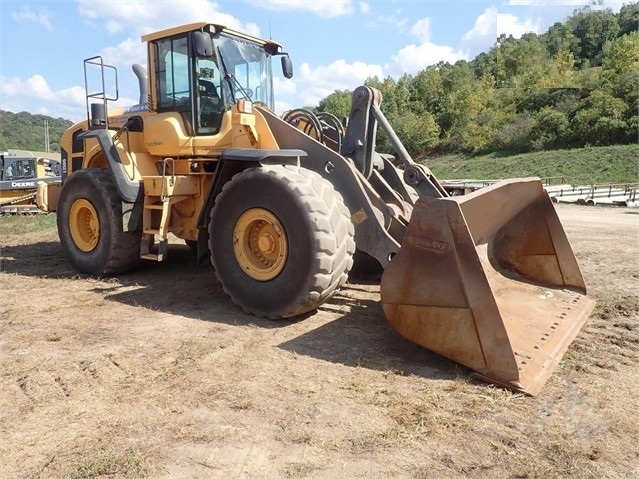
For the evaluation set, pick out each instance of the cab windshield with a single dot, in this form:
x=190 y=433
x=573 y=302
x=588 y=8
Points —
x=246 y=70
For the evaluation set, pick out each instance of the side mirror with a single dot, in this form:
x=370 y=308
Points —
x=202 y=45
x=287 y=67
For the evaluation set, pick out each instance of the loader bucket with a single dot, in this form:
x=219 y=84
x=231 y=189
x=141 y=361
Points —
x=489 y=280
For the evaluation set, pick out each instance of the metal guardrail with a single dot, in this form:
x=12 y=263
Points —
x=559 y=191
x=621 y=194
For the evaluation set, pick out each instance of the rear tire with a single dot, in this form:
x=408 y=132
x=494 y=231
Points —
x=90 y=225
x=281 y=240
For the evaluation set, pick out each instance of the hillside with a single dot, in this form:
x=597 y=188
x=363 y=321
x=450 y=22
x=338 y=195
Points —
x=605 y=164
x=26 y=131
x=571 y=87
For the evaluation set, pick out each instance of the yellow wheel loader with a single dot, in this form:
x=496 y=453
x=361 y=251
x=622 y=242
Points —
x=281 y=206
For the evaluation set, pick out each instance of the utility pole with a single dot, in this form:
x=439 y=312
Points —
x=46 y=136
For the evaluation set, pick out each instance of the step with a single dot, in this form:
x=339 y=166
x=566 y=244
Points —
x=154 y=207
x=153 y=231
x=152 y=257
x=171 y=185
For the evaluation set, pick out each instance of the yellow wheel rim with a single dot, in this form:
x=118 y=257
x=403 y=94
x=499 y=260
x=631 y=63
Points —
x=260 y=244
x=84 y=225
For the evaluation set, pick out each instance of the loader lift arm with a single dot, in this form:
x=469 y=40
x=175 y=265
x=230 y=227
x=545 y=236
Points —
x=359 y=143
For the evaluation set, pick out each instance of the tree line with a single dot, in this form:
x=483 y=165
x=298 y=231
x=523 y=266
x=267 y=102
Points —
x=575 y=85
x=25 y=131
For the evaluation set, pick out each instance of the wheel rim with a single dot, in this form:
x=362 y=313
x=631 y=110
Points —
x=84 y=225
x=260 y=244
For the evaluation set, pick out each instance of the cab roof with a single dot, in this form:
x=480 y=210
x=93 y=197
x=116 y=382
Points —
x=190 y=27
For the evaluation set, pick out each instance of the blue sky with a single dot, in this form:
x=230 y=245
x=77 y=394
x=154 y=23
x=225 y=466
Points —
x=334 y=44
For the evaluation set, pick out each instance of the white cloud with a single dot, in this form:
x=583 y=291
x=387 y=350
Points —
x=511 y=25
x=320 y=82
x=282 y=107
x=612 y=4
x=485 y=25
x=540 y=3
x=321 y=8
x=285 y=94
x=144 y=16
x=34 y=95
x=396 y=21
x=42 y=17
x=415 y=57
x=491 y=24
x=22 y=94
x=283 y=86
x=125 y=54
x=364 y=7
x=421 y=30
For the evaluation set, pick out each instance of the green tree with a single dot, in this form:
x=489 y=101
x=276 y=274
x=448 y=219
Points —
x=558 y=38
x=519 y=62
x=456 y=80
x=485 y=63
x=551 y=129
x=592 y=28
x=622 y=54
x=621 y=77
x=477 y=112
x=338 y=103
x=417 y=132
x=628 y=18
x=559 y=72
x=600 y=121
x=428 y=91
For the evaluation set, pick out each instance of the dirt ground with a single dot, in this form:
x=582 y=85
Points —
x=157 y=374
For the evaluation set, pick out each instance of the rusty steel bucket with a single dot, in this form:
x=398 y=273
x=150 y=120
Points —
x=489 y=280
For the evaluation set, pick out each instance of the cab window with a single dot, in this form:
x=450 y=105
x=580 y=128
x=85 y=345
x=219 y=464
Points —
x=174 y=91
x=210 y=106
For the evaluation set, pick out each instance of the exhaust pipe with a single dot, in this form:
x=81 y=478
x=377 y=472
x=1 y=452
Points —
x=140 y=72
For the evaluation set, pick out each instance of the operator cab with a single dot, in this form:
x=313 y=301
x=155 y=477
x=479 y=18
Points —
x=202 y=70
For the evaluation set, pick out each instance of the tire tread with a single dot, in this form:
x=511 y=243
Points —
x=333 y=236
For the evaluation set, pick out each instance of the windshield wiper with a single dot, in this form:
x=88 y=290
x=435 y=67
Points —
x=227 y=75
x=233 y=82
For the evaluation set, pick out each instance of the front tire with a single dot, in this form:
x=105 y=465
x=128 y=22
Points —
x=281 y=240
x=90 y=225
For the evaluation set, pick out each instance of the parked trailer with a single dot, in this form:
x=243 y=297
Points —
x=625 y=194
x=463 y=187
x=569 y=194
x=552 y=185
x=559 y=191
x=613 y=194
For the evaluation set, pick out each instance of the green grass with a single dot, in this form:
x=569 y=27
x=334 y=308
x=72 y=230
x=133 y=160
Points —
x=21 y=224
x=595 y=165
x=112 y=463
